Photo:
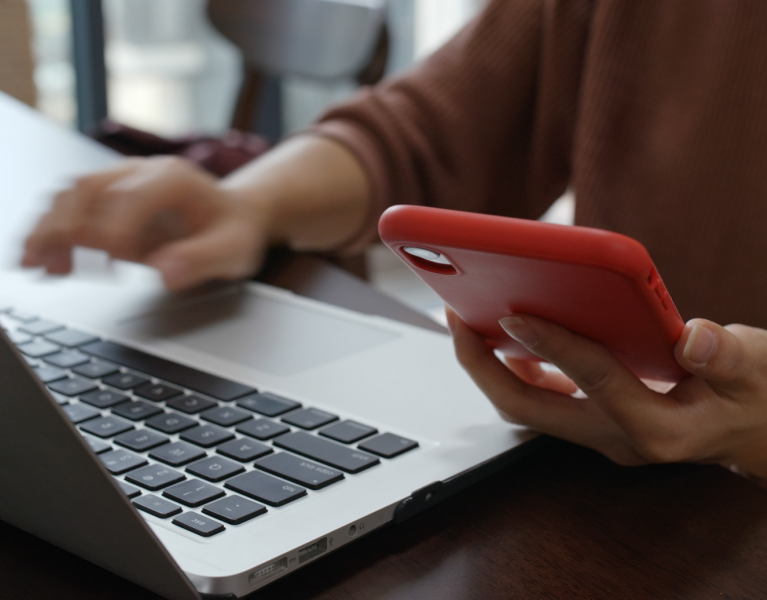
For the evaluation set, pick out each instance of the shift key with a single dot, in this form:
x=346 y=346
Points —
x=338 y=456
x=301 y=471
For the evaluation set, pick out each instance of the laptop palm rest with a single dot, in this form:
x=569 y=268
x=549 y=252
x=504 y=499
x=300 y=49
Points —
x=256 y=331
x=54 y=488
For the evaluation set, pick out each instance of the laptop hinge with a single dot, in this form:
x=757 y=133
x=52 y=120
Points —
x=435 y=492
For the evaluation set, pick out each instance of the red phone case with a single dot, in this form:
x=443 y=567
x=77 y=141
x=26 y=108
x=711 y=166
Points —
x=596 y=283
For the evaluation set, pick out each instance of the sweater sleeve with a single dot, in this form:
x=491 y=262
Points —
x=485 y=124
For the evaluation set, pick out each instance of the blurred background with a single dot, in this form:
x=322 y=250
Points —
x=170 y=72
x=167 y=70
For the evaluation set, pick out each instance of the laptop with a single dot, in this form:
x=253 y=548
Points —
x=207 y=444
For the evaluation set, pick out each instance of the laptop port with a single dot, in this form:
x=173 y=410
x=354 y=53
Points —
x=313 y=550
x=268 y=571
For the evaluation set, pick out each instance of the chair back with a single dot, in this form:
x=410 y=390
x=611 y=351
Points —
x=322 y=39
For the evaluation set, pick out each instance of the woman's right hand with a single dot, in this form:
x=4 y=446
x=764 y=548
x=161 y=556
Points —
x=162 y=211
x=310 y=193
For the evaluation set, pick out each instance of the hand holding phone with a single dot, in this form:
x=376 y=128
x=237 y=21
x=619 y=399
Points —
x=596 y=283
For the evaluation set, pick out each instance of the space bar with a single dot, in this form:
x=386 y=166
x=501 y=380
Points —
x=192 y=379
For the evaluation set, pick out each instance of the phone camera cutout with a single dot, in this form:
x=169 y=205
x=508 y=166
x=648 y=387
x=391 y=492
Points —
x=425 y=254
x=429 y=260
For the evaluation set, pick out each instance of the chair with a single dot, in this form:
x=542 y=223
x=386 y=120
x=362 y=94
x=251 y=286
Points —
x=320 y=39
x=326 y=40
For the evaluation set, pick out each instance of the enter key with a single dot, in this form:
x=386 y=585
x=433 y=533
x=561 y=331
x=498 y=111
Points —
x=350 y=460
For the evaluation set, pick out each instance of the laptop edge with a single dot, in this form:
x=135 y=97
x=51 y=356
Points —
x=55 y=488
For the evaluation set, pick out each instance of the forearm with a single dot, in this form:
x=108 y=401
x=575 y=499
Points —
x=312 y=191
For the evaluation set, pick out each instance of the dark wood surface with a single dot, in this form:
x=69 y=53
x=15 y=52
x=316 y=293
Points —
x=561 y=523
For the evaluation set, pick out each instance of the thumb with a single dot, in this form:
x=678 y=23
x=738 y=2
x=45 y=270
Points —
x=227 y=251
x=723 y=355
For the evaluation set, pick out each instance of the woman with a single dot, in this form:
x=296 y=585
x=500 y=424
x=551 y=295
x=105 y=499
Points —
x=653 y=112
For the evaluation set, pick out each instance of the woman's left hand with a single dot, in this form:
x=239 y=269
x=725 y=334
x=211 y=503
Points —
x=717 y=415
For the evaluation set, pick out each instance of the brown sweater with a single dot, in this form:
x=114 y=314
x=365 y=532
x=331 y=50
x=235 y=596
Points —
x=653 y=111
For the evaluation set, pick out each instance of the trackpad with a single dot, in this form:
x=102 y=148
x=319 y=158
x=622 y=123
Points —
x=277 y=337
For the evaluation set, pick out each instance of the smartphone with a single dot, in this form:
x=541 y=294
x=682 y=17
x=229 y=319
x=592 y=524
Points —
x=596 y=283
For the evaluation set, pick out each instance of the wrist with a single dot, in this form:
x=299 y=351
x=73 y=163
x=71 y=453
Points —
x=259 y=208
x=309 y=193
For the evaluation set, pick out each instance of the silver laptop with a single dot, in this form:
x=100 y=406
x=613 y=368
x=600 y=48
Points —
x=213 y=442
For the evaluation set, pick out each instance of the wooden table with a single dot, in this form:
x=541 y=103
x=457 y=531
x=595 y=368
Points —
x=562 y=523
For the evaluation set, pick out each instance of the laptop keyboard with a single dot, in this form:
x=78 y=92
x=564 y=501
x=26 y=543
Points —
x=176 y=438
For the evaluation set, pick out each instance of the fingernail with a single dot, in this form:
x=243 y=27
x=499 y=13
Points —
x=700 y=346
x=518 y=328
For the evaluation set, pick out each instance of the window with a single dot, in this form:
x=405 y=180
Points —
x=54 y=75
x=170 y=73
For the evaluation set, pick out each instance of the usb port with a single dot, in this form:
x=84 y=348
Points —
x=313 y=550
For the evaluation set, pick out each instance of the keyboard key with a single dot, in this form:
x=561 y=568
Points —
x=106 y=426
x=215 y=468
x=170 y=422
x=302 y=471
x=207 y=436
x=136 y=410
x=98 y=446
x=19 y=338
x=103 y=398
x=348 y=432
x=159 y=507
x=177 y=454
x=72 y=386
x=38 y=349
x=234 y=509
x=49 y=374
x=244 y=450
x=96 y=369
x=118 y=462
x=40 y=327
x=191 y=404
x=125 y=381
x=310 y=418
x=225 y=416
x=388 y=445
x=331 y=453
x=154 y=477
x=78 y=413
x=269 y=405
x=141 y=440
x=186 y=377
x=67 y=359
x=157 y=392
x=262 y=429
x=70 y=338
x=198 y=524
x=129 y=490
x=193 y=492
x=265 y=488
